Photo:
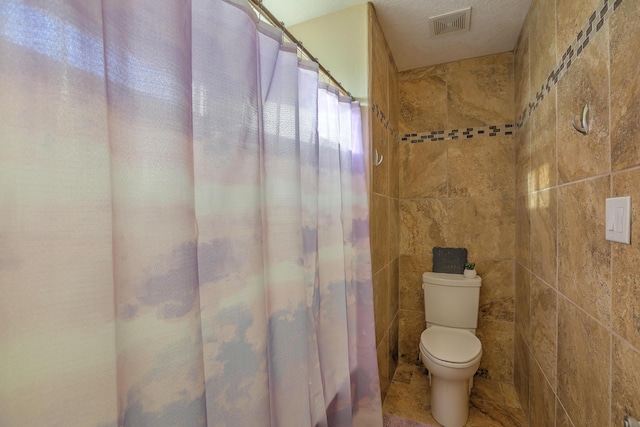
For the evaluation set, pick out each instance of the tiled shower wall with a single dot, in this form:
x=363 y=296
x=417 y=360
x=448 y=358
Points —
x=384 y=201
x=457 y=187
x=577 y=342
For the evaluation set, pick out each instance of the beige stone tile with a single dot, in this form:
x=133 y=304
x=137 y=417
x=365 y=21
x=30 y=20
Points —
x=625 y=379
x=412 y=324
x=584 y=360
x=543 y=144
x=523 y=208
x=584 y=256
x=380 y=143
x=404 y=373
x=542 y=43
x=480 y=96
x=422 y=72
x=394 y=166
x=411 y=269
x=489 y=414
x=379 y=231
x=420 y=380
x=487 y=390
x=393 y=116
x=497 y=293
x=562 y=419
x=497 y=349
x=626 y=270
x=485 y=226
x=521 y=377
x=379 y=67
x=587 y=81
x=482 y=167
x=544 y=220
x=383 y=366
x=423 y=170
x=544 y=328
x=510 y=396
x=414 y=415
x=423 y=225
x=403 y=400
x=522 y=144
x=423 y=104
x=571 y=16
x=625 y=85
x=393 y=270
x=542 y=399
x=393 y=345
x=521 y=65
x=505 y=58
x=409 y=397
x=523 y=302
x=394 y=229
x=381 y=304
x=394 y=94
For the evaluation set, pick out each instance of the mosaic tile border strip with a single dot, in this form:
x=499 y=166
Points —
x=385 y=122
x=596 y=21
x=460 y=133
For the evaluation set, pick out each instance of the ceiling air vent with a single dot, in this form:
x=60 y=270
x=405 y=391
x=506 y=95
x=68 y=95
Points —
x=452 y=22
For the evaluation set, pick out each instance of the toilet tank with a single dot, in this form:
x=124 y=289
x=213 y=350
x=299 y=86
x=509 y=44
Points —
x=451 y=300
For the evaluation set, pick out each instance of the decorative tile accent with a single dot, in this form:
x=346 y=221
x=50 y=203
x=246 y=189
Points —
x=461 y=133
x=384 y=120
x=585 y=35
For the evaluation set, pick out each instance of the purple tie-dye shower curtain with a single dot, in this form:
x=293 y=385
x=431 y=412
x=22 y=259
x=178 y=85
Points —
x=183 y=223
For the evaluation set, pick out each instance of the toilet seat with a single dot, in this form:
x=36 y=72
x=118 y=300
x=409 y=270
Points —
x=454 y=346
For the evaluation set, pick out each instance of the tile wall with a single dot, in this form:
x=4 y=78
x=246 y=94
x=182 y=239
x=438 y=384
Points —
x=457 y=186
x=577 y=341
x=384 y=200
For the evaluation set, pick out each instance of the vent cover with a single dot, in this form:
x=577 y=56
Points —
x=452 y=22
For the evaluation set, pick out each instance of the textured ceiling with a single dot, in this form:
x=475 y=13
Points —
x=495 y=26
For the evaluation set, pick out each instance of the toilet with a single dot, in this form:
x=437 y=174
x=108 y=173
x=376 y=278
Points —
x=449 y=348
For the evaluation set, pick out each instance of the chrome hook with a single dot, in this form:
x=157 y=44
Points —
x=629 y=421
x=377 y=159
x=584 y=129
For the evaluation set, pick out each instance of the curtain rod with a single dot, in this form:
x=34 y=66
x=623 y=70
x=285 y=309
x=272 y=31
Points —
x=279 y=24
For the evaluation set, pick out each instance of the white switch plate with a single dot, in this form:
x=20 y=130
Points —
x=618 y=219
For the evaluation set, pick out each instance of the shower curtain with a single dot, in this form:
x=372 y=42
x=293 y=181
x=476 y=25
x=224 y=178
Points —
x=183 y=223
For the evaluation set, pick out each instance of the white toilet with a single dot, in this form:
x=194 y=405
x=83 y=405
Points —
x=449 y=347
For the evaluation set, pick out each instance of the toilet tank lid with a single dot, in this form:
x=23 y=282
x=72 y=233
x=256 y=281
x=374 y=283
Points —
x=450 y=279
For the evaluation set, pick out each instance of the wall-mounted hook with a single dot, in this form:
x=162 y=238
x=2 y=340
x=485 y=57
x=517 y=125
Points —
x=377 y=159
x=629 y=421
x=583 y=128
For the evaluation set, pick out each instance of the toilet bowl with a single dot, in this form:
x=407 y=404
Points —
x=449 y=348
x=452 y=357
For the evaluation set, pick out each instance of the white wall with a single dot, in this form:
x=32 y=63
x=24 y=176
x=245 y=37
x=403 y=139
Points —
x=340 y=42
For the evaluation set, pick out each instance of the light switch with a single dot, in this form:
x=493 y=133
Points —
x=618 y=222
x=618 y=219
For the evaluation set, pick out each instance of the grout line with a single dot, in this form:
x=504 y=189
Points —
x=611 y=246
x=609 y=328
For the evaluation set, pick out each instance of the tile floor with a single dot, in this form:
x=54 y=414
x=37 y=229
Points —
x=492 y=404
